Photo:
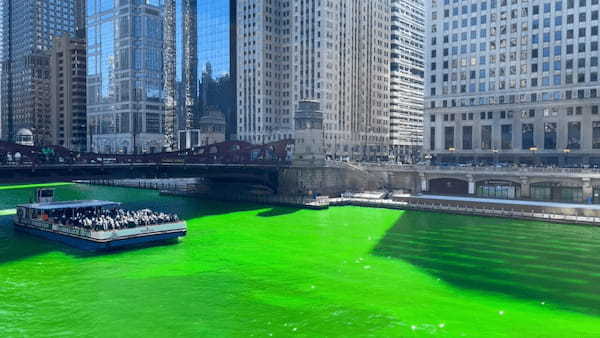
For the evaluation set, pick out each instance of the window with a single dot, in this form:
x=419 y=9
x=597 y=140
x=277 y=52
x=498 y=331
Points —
x=448 y=137
x=467 y=138
x=596 y=134
x=574 y=135
x=550 y=135
x=506 y=136
x=486 y=137
x=527 y=136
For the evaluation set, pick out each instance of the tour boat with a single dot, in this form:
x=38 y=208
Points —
x=95 y=225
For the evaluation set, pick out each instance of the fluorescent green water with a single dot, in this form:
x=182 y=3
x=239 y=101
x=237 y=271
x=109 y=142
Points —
x=246 y=270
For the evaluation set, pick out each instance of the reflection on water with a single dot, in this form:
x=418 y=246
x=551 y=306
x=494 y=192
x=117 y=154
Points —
x=543 y=262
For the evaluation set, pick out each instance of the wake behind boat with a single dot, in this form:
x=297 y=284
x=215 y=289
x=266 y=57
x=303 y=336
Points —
x=95 y=225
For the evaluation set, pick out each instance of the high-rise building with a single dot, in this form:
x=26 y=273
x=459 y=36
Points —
x=28 y=30
x=68 y=93
x=170 y=74
x=407 y=86
x=125 y=84
x=512 y=81
x=190 y=61
x=80 y=18
x=216 y=22
x=334 y=52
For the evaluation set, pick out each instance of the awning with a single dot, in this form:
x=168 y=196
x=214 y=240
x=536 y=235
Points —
x=71 y=205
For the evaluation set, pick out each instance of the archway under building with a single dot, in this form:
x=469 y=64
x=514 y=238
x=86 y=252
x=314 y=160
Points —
x=498 y=189
x=556 y=192
x=448 y=186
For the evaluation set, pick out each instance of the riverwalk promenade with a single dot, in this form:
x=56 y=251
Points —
x=570 y=213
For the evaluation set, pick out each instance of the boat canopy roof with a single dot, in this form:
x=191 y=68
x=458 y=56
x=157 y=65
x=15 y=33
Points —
x=71 y=205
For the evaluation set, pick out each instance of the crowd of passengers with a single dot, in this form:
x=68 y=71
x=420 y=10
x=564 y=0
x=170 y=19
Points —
x=112 y=219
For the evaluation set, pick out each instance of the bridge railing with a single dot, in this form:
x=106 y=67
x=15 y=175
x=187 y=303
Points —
x=231 y=152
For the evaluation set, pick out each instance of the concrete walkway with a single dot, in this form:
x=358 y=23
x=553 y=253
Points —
x=510 y=202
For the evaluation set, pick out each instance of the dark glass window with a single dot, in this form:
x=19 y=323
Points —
x=527 y=139
x=596 y=134
x=432 y=138
x=486 y=137
x=449 y=137
x=467 y=138
x=574 y=135
x=550 y=135
x=506 y=136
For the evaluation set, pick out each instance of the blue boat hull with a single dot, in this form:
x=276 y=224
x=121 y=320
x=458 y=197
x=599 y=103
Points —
x=90 y=245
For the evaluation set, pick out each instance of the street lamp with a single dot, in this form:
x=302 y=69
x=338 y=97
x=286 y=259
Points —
x=428 y=158
x=533 y=151
x=495 y=151
x=453 y=151
x=566 y=151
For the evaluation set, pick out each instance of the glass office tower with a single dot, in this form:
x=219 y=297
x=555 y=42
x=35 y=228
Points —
x=213 y=36
x=216 y=22
x=125 y=76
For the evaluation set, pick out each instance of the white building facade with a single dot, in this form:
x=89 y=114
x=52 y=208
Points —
x=513 y=80
x=407 y=78
x=335 y=52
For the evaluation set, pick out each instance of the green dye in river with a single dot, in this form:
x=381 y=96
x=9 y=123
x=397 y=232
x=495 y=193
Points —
x=248 y=270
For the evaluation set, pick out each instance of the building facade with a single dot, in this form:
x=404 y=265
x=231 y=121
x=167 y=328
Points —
x=29 y=27
x=216 y=57
x=125 y=105
x=407 y=79
x=170 y=74
x=190 y=62
x=335 y=52
x=513 y=81
x=68 y=126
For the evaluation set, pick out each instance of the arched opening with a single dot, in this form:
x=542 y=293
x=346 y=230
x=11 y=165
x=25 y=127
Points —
x=555 y=191
x=498 y=189
x=448 y=186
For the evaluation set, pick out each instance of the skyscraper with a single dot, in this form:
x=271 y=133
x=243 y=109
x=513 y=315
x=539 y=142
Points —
x=216 y=50
x=513 y=81
x=68 y=93
x=125 y=85
x=190 y=61
x=335 y=52
x=214 y=20
x=28 y=30
x=407 y=87
x=170 y=56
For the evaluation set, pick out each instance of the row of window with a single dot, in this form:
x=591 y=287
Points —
x=550 y=137
x=493 y=4
x=504 y=114
x=516 y=99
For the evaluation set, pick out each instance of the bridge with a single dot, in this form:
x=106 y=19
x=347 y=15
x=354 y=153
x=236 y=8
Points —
x=230 y=162
x=271 y=166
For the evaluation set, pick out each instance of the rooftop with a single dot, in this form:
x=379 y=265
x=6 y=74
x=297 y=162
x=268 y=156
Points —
x=70 y=205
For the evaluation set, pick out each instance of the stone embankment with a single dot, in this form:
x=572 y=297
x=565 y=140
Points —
x=527 y=210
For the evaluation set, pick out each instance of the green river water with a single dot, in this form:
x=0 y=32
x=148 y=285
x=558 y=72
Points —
x=259 y=271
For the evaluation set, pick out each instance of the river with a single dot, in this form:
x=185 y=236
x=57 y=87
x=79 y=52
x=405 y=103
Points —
x=247 y=270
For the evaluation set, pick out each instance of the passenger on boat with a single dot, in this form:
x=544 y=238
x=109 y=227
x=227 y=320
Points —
x=112 y=219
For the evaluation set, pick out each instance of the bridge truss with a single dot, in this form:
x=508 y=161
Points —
x=230 y=152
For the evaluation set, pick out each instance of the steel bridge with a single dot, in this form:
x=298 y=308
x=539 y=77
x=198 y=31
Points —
x=230 y=162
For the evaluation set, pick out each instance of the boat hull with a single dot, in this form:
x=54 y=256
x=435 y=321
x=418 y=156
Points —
x=92 y=245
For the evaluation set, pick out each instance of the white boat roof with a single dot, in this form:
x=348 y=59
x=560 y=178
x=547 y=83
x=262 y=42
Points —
x=70 y=205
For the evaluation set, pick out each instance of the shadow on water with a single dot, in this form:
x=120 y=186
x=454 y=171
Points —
x=541 y=262
x=278 y=211
x=16 y=246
